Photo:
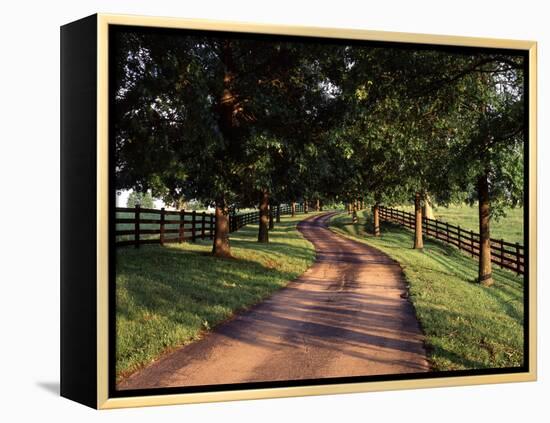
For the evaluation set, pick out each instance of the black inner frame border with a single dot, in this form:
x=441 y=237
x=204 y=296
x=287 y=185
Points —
x=114 y=393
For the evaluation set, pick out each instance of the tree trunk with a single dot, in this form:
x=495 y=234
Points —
x=485 y=268
x=306 y=208
x=427 y=210
x=354 y=214
x=221 y=247
x=317 y=205
x=278 y=214
x=263 y=234
x=271 y=220
x=349 y=208
x=376 y=219
x=293 y=208
x=418 y=240
x=228 y=105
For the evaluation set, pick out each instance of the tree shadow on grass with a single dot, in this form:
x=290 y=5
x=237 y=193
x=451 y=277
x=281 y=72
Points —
x=485 y=342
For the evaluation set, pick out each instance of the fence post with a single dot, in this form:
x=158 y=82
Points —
x=136 y=227
x=459 y=243
x=162 y=211
x=518 y=261
x=472 y=242
x=237 y=219
x=425 y=225
x=447 y=231
x=502 y=258
x=203 y=222
x=212 y=226
x=181 y=235
x=193 y=225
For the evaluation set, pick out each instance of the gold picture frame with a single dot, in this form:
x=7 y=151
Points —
x=102 y=301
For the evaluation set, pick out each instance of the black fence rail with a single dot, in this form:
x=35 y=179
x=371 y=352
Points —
x=504 y=254
x=286 y=209
x=237 y=221
x=137 y=226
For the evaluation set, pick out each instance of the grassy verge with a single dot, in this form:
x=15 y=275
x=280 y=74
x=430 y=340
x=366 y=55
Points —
x=467 y=326
x=508 y=227
x=168 y=296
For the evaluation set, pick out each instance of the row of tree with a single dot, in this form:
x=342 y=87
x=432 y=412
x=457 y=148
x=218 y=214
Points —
x=240 y=121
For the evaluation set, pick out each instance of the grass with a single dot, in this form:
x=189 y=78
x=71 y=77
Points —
x=508 y=227
x=466 y=326
x=169 y=296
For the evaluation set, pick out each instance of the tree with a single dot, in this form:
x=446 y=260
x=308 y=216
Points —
x=145 y=200
x=483 y=145
x=233 y=121
x=416 y=114
x=372 y=148
x=218 y=119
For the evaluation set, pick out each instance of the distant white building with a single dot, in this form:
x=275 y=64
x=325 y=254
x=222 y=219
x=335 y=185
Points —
x=122 y=200
x=122 y=197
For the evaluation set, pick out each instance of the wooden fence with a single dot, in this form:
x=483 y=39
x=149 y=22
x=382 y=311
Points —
x=237 y=221
x=504 y=254
x=137 y=226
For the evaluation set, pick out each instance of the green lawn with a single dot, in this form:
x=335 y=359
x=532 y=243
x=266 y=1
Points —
x=508 y=227
x=467 y=326
x=168 y=296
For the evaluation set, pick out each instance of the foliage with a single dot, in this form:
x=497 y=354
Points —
x=232 y=116
x=145 y=200
x=225 y=119
x=222 y=117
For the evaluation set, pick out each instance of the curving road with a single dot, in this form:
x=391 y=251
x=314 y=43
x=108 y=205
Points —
x=347 y=315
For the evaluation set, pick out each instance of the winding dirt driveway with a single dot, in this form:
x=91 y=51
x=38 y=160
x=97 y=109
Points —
x=345 y=316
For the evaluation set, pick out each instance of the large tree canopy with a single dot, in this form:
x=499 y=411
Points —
x=239 y=121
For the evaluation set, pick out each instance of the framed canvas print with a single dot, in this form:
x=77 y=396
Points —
x=254 y=211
